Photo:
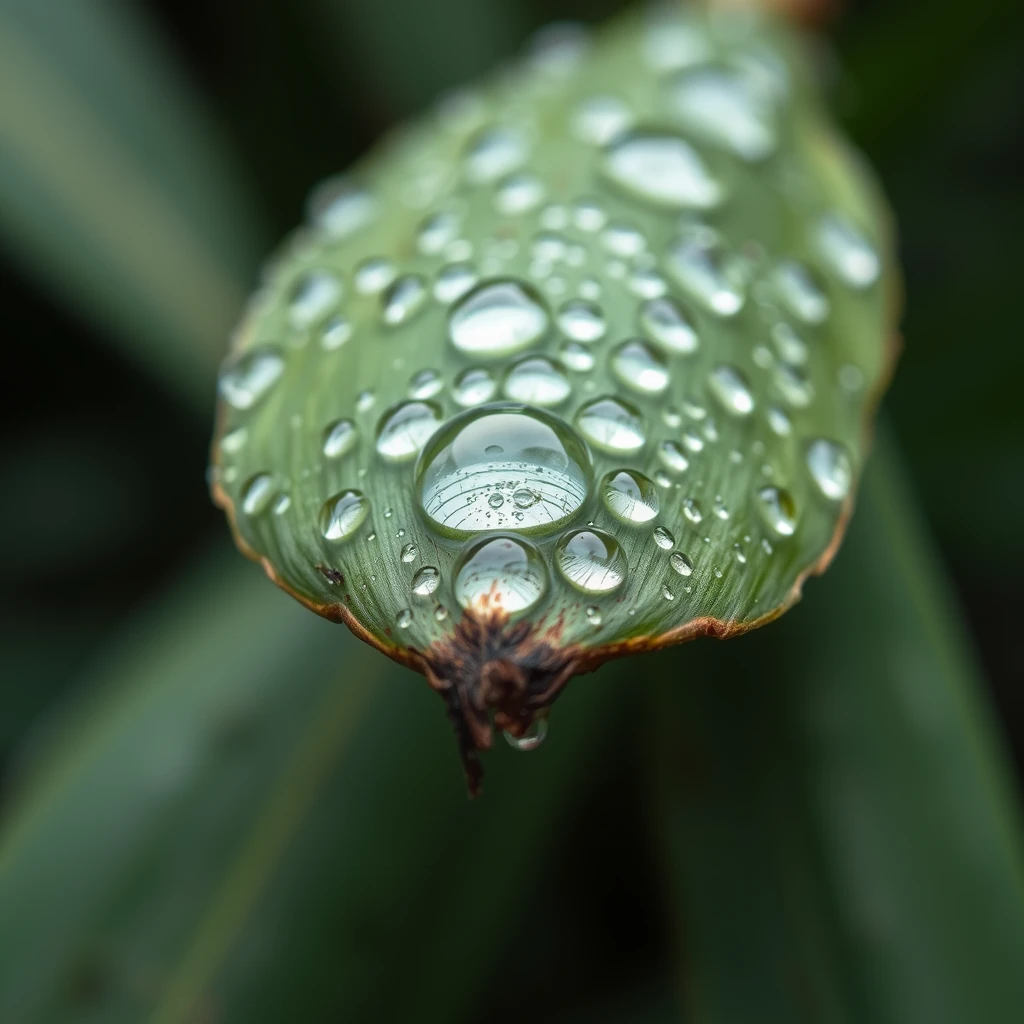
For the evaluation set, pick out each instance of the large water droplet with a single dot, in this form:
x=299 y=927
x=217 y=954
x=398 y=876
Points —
x=730 y=388
x=313 y=297
x=500 y=574
x=248 y=378
x=498 y=318
x=494 y=153
x=591 y=560
x=640 y=367
x=340 y=438
x=665 y=322
x=494 y=453
x=425 y=580
x=662 y=169
x=724 y=107
x=831 y=468
x=257 y=494
x=630 y=496
x=612 y=425
x=404 y=298
x=599 y=119
x=800 y=292
x=778 y=509
x=537 y=381
x=847 y=251
x=703 y=266
x=582 y=321
x=343 y=514
x=404 y=429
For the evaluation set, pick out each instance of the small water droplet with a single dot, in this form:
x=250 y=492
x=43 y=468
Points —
x=247 y=378
x=257 y=494
x=800 y=292
x=500 y=573
x=847 y=251
x=575 y=356
x=537 y=381
x=672 y=457
x=693 y=441
x=663 y=538
x=591 y=560
x=494 y=153
x=343 y=514
x=640 y=367
x=365 y=401
x=778 y=509
x=793 y=385
x=667 y=594
x=662 y=169
x=693 y=511
x=404 y=619
x=282 y=503
x=403 y=299
x=646 y=283
x=425 y=581
x=440 y=613
x=791 y=347
x=598 y=119
x=831 y=468
x=665 y=322
x=474 y=387
x=680 y=563
x=719 y=507
x=454 y=281
x=594 y=615
x=779 y=421
x=612 y=425
x=409 y=553
x=630 y=496
x=405 y=428
x=336 y=332
x=582 y=321
x=703 y=266
x=730 y=388
x=234 y=441
x=374 y=275
x=589 y=215
x=498 y=318
x=340 y=438
x=313 y=296
x=425 y=384
x=340 y=207
x=437 y=231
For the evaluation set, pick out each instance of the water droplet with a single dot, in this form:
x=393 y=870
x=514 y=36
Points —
x=623 y=240
x=436 y=232
x=343 y=514
x=537 y=381
x=791 y=347
x=663 y=538
x=336 y=332
x=693 y=511
x=594 y=615
x=282 y=503
x=440 y=613
x=519 y=194
x=534 y=736
x=662 y=169
x=340 y=438
x=793 y=385
x=672 y=456
x=501 y=450
x=405 y=428
x=504 y=574
x=680 y=563
x=403 y=299
x=591 y=560
x=425 y=384
x=778 y=509
x=257 y=494
x=720 y=509
x=630 y=496
x=723 y=106
x=248 y=378
x=374 y=275
x=646 y=283
x=313 y=296
x=612 y=425
x=847 y=251
x=730 y=388
x=404 y=619
x=589 y=215
x=640 y=367
x=693 y=441
x=800 y=292
x=453 y=281
x=672 y=41
x=409 y=552
x=779 y=421
x=575 y=356
x=703 y=266
x=494 y=153
x=598 y=119
x=667 y=594
x=664 y=321
x=582 y=321
x=425 y=581
x=498 y=318
x=365 y=401
x=474 y=387
x=831 y=468
x=234 y=441
x=340 y=208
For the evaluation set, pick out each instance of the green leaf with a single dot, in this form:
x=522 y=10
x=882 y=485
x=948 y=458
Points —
x=688 y=316
x=115 y=188
x=841 y=840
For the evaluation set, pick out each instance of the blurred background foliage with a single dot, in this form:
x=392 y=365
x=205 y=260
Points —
x=218 y=807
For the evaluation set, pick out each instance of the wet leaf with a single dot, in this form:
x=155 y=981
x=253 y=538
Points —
x=581 y=365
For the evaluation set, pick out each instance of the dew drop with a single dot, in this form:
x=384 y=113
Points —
x=575 y=356
x=257 y=494
x=646 y=283
x=518 y=194
x=405 y=428
x=831 y=468
x=582 y=321
x=623 y=240
x=664 y=321
x=409 y=552
x=500 y=450
x=667 y=594
x=374 y=275
x=453 y=281
x=793 y=385
x=494 y=153
x=640 y=367
x=591 y=560
x=693 y=441
x=800 y=292
x=778 y=509
x=336 y=332
x=497 y=318
x=314 y=295
x=663 y=538
x=700 y=263
x=474 y=387
x=791 y=347
x=847 y=251
x=779 y=421
x=436 y=232
x=282 y=503
x=501 y=573
x=598 y=119
x=403 y=299
x=404 y=619
x=662 y=169
x=340 y=208
x=672 y=457
x=693 y=511
x=425 y=384
x=343 y=514
x=340 y=438
x=365 y=401
x=593 y=615
x=680 y=563
x=630 y=496
x=232 y=443
x=247 y=378
x=425 y=581
x=730 y=388
x=537 y=381
x=612 y=425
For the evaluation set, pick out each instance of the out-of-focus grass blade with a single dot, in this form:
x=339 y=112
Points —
x=262 y=818
x=840 y=835
x=114 y=186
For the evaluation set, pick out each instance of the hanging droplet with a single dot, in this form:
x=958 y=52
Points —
x=664 y=321
x=498 y=318
x=700 y=263
x=831 y=468
x=612 y=425
x=500 y=575
x=537 y=381
x=662 y=169
x=340 y=438
x=591 y=560
x=425 y=581
x=728 y=385
x=343 y=514
x=778 y=509
x=247 y=378
x=405 y=428
x=640 y=367
x=531 y=739
x=630 y=496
